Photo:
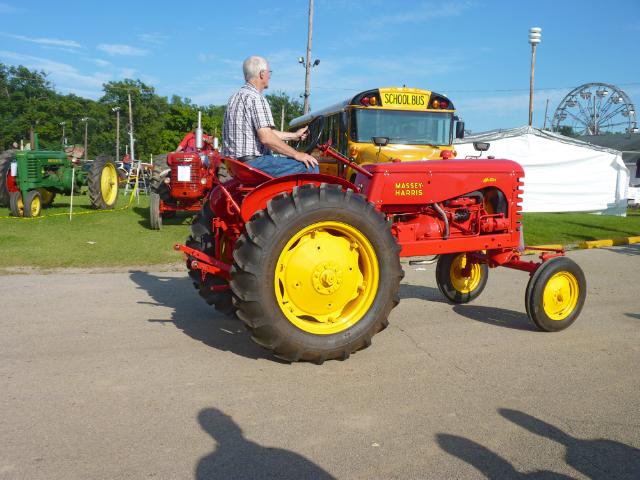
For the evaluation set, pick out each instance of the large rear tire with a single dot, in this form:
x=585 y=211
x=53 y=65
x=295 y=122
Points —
x=316 y=274
x=6 y=158
x=459 y=278
x=201 y=239
x=103 y=183
x=555 y=294
x=16 y=204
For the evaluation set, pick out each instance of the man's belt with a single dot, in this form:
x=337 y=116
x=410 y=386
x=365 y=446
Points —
x=246 y=158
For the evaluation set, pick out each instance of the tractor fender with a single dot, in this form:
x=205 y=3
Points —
x=258 y=198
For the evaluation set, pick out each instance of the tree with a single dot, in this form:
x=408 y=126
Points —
x=292 y=108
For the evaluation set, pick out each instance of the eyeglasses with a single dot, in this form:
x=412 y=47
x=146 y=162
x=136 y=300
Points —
x=270 y=71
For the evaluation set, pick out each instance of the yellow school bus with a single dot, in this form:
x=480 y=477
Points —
x=383 y=124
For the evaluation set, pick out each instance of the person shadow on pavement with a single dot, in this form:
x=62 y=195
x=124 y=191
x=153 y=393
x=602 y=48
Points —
x=490 y=464
x=239 y=458
x=596 y=459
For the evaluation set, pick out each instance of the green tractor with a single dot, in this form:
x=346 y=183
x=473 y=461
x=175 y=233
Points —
x=34 y=177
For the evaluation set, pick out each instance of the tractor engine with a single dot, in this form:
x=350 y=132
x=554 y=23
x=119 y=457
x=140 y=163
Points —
x=448 y=205
x=189 y=178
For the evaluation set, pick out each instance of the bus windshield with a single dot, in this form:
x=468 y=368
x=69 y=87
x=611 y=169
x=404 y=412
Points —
x=402 y=126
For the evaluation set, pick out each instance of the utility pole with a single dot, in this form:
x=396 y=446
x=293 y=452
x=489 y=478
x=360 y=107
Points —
x=64 y=140
x=307 y=76
x=546 y=108
x=86 y=135
x=117 y=110
x=133 y=156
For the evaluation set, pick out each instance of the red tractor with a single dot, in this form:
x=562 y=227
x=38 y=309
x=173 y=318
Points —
x=185 y=179
x=311 y=263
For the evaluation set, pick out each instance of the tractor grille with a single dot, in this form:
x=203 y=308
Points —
x=194 y=175
x=32 y=169
x=519 y=193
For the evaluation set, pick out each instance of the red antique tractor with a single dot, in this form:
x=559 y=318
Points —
x=311 y=263
x=186 y=177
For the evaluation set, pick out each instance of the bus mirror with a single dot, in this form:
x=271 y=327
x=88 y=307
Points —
x=481 y=146
x=460 y=130
x=380 y=141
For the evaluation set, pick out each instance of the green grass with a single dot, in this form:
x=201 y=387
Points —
x=92 y=238
x=572 y=228
x=123 y=237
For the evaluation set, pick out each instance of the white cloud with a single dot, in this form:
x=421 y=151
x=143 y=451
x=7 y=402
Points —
x=65 y=77
x=119 y=49
x=206 y=57
x=6 y=8
x=101 y=63
x=153 y=38
x=50 y=42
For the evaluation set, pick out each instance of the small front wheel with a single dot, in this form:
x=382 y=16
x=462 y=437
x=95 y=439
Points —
x=32 y=204
x=555 y=294
x=460 y=278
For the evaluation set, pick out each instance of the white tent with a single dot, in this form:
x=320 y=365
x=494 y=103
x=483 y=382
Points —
x=561 y=174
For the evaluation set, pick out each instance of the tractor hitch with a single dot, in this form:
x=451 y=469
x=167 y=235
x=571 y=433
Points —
x=203 y=262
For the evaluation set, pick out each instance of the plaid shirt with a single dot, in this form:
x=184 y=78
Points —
x=247 y=111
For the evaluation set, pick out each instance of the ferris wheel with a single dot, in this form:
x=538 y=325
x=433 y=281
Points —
x=595 y=109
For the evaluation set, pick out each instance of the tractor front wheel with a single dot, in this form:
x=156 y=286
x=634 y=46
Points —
x=32 y=204
x=155 y=218
x=459 y=278
x=316 y=274
x=214 y=289
x=103 y=183
x=16 y=204
x=555 y=294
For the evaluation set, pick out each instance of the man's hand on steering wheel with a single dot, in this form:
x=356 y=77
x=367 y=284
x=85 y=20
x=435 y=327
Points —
x=302 y=133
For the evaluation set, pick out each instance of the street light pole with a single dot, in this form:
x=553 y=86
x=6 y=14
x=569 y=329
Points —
x=535 y=37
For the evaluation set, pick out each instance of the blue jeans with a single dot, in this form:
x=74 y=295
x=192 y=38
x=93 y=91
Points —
x=280 y=166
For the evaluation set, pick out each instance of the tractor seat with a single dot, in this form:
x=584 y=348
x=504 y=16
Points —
x=246 y=174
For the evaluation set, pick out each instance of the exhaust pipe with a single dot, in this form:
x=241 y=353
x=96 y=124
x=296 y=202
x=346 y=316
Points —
x=199 y=143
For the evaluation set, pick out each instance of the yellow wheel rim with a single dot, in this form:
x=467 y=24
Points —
x=461 y=282
x=36 y=206
x=20 y=205
x=109 y=184
x=326 y=278
x=560 y=296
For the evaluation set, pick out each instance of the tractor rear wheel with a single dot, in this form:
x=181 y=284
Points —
x=6 y=158
x=555 y=294
x=459 y=278
x=33 y=204
x=16 y=205
x=103 y=183
x=316 y=274
x=155 y=218
x=201 y=239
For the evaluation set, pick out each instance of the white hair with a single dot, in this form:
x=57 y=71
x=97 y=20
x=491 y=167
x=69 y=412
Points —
x=252 y=67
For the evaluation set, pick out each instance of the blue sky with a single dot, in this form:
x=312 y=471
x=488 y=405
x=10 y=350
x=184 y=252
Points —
x=474 y=51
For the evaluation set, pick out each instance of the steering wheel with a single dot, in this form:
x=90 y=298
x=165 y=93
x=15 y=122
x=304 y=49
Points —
x=315 y=132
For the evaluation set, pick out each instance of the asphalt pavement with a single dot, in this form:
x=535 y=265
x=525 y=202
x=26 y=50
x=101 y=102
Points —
x=130 y=375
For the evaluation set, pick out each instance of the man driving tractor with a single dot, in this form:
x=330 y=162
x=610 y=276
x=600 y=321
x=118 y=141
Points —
x=249 y=133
